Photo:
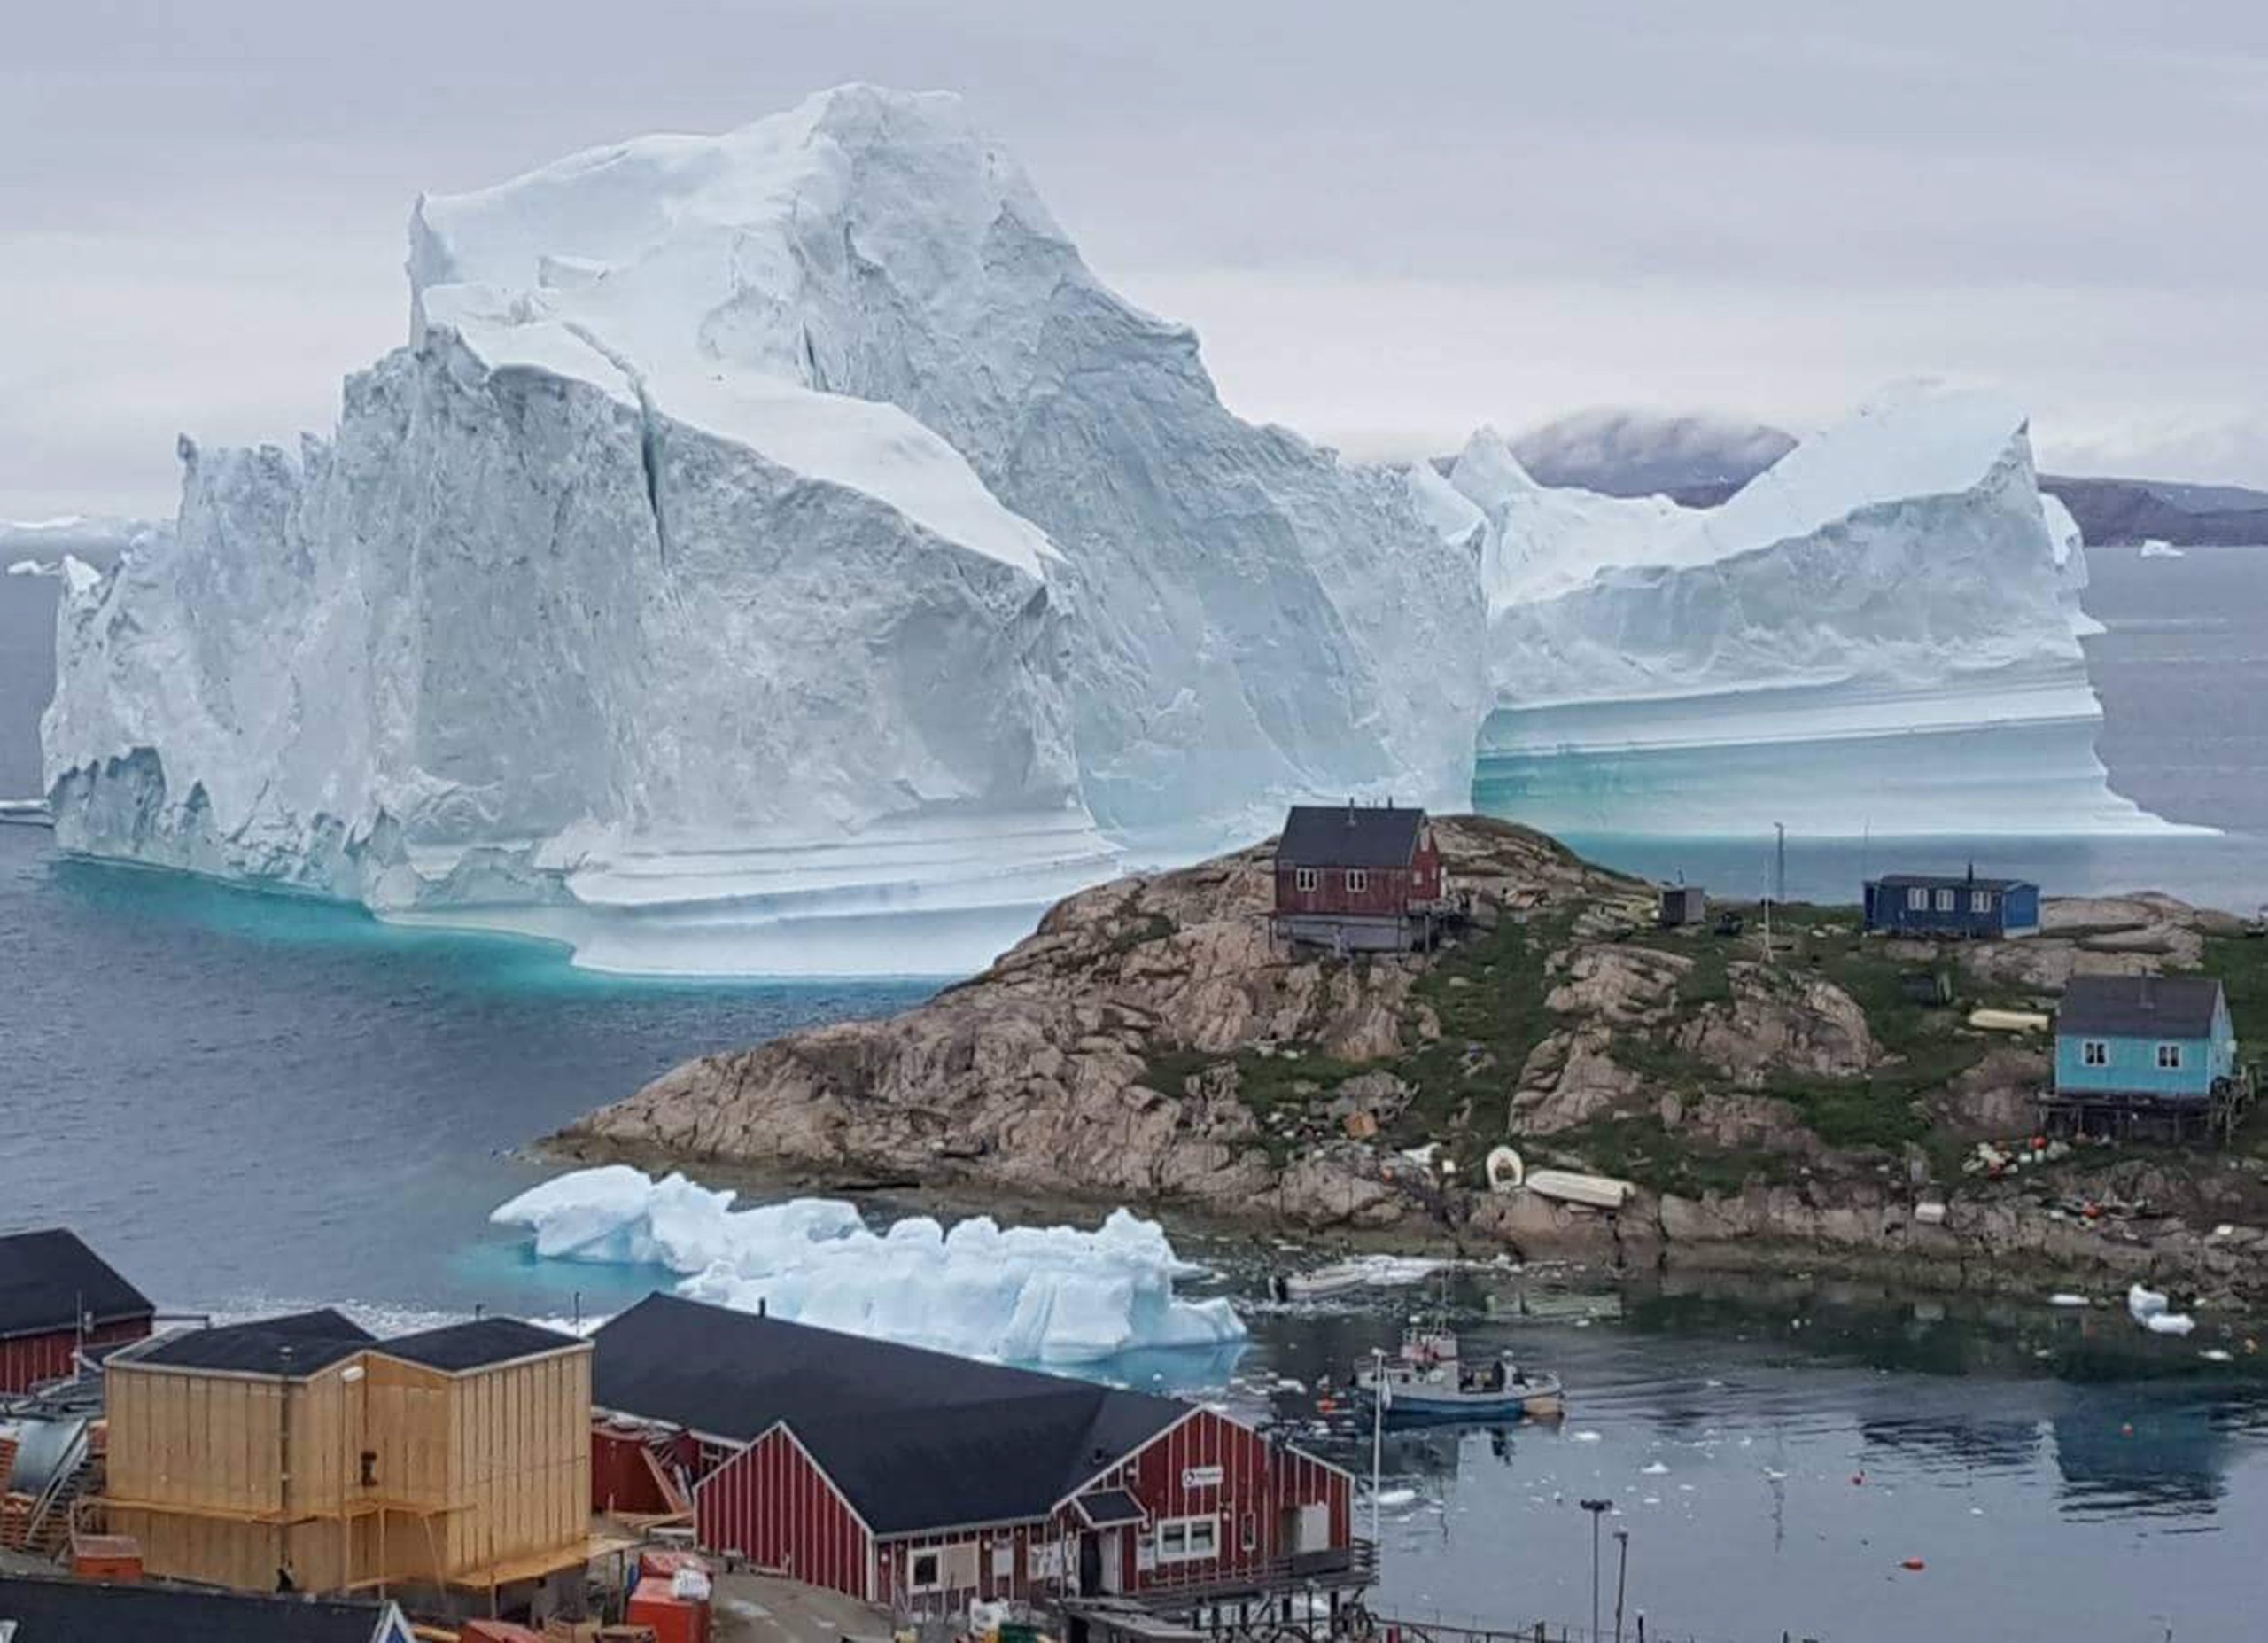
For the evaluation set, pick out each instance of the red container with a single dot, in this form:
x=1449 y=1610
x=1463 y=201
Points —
x=660 y=1562
x=673 y=1620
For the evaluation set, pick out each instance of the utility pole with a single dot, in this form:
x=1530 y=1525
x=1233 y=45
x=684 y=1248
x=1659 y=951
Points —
x=1598 y=1509
x=1779 y=861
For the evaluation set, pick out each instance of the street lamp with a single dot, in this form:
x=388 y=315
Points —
x=1621 y=1576
x=1598 y=1509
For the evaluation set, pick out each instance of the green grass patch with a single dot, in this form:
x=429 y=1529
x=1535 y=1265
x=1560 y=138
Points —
x=1488 y=994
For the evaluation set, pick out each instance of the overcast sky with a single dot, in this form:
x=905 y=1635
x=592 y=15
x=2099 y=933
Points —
x=1388 y=222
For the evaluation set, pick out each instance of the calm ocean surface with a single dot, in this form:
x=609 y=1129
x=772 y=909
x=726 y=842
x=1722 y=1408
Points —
x=249 y=1102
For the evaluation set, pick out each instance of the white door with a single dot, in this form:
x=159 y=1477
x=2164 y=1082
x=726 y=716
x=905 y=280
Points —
x=1114 y=1561
x=1314 y=1532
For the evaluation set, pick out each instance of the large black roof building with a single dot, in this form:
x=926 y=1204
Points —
x=49 y=1281
x=914 y=1439
x=1350 y=835
x=49 y=1610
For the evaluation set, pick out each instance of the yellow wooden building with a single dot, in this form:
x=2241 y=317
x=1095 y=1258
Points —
x=301 y=1447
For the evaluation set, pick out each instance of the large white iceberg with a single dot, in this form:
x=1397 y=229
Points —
x=1880 y=631
x=771 y=551
x=778 y=552
x=1022 y=1295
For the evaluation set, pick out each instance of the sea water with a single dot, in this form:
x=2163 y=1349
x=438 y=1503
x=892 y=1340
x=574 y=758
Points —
x=251 y=1101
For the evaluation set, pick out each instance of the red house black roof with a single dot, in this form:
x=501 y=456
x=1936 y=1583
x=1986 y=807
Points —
x=914 y=1439
x=1350 y=835
x=50 y=1279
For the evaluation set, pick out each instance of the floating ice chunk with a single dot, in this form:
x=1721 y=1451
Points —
x=2063 y=1298
x=2218 y=1355
x=1395 y=1497
x=1655 y=1470
x=2169 y=1323
x=1585 y=1436
x=2154 y=548
x=2143 y=1303
x=1023 y=1294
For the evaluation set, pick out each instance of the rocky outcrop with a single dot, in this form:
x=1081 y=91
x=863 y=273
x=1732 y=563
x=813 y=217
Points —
x=1064 y=1069
x=1153 y=1042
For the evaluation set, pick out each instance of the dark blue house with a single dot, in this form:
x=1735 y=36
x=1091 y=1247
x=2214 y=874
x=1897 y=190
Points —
x=1927 y=904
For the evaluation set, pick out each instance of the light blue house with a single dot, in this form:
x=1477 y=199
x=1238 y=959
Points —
x=2138 y=1044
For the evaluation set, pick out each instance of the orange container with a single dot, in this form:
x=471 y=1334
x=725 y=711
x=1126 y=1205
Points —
x=675 y=1620
x=105 y=1557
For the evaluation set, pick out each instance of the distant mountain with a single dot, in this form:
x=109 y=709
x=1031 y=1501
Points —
x=1700 y=459
x=1703 y=458
x=2188 y=516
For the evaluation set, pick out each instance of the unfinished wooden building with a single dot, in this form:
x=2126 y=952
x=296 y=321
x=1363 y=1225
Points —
x=300 y=1449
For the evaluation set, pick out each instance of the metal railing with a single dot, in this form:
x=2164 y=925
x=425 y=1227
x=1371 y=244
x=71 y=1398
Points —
x=1338 y=1569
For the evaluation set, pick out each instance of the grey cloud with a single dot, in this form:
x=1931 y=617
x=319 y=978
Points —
x=1386 y=225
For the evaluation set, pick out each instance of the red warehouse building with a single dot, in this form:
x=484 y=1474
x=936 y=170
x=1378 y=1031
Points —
x=922 y=1482
x=1358 y=879
x=55 y=1297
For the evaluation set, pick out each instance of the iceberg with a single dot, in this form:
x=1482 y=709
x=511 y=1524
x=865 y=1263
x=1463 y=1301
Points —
x=770 y=552
x=778 y=552
x=1880 y=632
x=1055 y=1295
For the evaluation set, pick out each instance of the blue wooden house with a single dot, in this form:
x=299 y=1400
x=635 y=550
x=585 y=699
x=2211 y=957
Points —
x=2136 y=1047
x=1930 y=904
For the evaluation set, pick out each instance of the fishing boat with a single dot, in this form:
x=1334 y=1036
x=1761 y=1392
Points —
x=1430 y=1379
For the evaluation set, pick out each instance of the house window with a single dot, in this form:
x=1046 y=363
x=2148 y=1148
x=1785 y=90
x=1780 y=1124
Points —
x=1917 y=900
x=1357 y=880
x=1944 y=901
x=2169 y=1058
x=2095 y=1052
x=926 y=1573
x=1250 y=1537
x=1304 y=878
x=1980 y=901
x=1189 y=1539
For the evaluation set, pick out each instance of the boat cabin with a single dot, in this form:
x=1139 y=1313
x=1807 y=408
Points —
x=1356 y=878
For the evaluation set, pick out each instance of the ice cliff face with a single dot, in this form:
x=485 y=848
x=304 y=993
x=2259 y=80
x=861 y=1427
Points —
x=760 y=537
x=1880 y=631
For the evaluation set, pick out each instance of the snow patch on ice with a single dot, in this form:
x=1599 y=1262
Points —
x=1021 y=1295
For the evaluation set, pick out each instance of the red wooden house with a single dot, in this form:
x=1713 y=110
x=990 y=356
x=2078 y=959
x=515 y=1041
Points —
x=923 y=1482
x=1356 y=879
x=55 y=1297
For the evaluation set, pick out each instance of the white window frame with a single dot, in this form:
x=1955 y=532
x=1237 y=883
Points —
x=936 y=1581
x=1944 y=901
x=1249 y=1536
x=2169 y=1058
x=1178 y=1540
x=1305 y=878
x=1917 y=899
x=1358 y=880
x=1980 y=901
x=2094 y=1052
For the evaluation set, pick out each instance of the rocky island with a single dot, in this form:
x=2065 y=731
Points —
x=1802 y=1107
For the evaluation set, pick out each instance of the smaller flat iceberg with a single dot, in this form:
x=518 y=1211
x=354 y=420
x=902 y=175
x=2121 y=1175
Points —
x=1030 y=1295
